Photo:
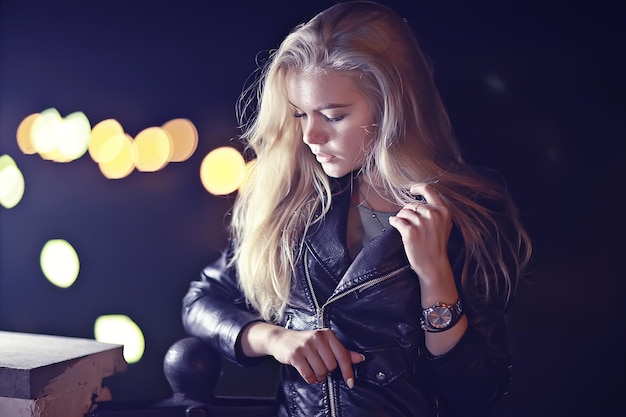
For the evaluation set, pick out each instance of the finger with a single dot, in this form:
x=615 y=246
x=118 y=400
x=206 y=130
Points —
x=324 y=351
x=422 y=210
x=317 y=364
x=409 y=231
x=410 y=215
x=417 y=209
x=401 y=222
x=306 y=372
x=345 y=361
x=329 y=361
x=309 y=365
x=356 y=357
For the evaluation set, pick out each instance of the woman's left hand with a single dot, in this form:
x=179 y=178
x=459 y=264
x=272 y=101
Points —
x=425 y=228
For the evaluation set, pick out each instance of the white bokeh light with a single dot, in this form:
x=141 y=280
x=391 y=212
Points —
x=120 y=329
x=59 y=263
x=11 y=182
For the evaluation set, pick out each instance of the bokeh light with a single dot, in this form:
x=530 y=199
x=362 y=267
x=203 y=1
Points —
x=76 y=132
x=65 y=139
x=23 y=134
x=11 y=182
x=184 y=138
x=119 y=159
x=45 y=130
x=56 y=138
x=59 y=263
x=120 y=329
x=153 y=149
x=222 y=170
x=100 y=149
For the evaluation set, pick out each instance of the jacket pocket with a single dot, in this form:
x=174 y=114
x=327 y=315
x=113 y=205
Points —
x=393 y=284
x=383 y=366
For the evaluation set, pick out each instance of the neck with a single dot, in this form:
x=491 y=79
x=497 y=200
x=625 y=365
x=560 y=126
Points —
x=371 y=197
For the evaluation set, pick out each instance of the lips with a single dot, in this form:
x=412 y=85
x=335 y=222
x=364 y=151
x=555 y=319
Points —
x=322 y=157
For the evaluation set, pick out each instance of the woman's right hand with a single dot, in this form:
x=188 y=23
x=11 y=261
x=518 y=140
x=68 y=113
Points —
x=314 y=353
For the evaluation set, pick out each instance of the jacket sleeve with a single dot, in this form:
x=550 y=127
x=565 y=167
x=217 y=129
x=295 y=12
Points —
x=474 y=375
x=215 y=310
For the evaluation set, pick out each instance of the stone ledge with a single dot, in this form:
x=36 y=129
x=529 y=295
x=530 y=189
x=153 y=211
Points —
x=43 y=375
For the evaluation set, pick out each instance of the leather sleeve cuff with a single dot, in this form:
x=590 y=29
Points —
x=220 y=327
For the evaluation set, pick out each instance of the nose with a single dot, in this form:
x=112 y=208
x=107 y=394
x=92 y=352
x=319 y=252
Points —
x=312 y=133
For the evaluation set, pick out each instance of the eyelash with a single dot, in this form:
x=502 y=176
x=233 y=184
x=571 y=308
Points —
x=328 y=119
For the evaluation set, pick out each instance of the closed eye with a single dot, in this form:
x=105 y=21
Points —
x=334 y=119
x=300 y=115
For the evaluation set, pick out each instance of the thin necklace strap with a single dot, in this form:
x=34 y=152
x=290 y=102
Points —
x=375 y=217
x=373 y=213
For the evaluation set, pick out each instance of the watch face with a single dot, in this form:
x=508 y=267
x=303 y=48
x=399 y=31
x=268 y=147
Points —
x=439 y=317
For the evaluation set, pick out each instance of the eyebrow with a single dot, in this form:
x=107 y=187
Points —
x=326 y=106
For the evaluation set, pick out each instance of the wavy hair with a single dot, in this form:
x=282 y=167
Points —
x=413 y=142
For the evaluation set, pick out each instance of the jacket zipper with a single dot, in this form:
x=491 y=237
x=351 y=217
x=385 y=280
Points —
x=319 y=312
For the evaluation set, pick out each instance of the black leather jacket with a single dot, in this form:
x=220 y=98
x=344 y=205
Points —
x=372 y=303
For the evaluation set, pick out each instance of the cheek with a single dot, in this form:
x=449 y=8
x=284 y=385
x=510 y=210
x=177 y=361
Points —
x=360 y=141
x=358 y=150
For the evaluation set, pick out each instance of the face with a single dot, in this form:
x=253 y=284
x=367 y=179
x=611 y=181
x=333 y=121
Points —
x=334 y=117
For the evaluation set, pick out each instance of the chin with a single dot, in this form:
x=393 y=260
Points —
x=335 y=172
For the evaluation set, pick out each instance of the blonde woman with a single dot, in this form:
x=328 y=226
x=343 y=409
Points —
x=366 y=256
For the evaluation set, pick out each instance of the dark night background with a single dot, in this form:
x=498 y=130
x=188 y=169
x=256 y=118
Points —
x=536 y=90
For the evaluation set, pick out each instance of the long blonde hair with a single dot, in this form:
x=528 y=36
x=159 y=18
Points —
x=413 y=143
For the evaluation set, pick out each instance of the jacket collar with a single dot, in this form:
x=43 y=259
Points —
x=327 y=242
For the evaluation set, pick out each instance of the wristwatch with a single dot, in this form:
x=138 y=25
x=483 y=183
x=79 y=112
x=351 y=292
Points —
x=441 y=316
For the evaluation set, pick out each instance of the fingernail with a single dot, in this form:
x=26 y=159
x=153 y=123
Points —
x=350 y=383
x=363 y=356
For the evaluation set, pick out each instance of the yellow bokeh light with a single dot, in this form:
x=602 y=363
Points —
x=59 y=263
x=56 y=138
x=153 y=149
x=11 y=182
x=99 y=147
x=120 y=329
x=122 y=164
x=184 y=137
x=222 y=170
x=110 y=149
x=23 y=134
x=61 y=139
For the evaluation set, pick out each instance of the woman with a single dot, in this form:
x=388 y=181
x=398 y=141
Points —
x=366 y=256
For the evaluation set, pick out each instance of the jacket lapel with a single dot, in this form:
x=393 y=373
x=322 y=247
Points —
x=381 y=256
x=327 y=242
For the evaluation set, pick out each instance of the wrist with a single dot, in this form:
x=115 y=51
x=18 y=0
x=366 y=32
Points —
x=432 y=274
x=443 y=292
x=258 y=337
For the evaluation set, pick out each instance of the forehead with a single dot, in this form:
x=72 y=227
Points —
x=318 y=88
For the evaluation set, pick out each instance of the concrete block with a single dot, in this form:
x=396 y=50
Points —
x=54 y=376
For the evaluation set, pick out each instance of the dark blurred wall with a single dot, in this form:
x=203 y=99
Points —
x=535 y=90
